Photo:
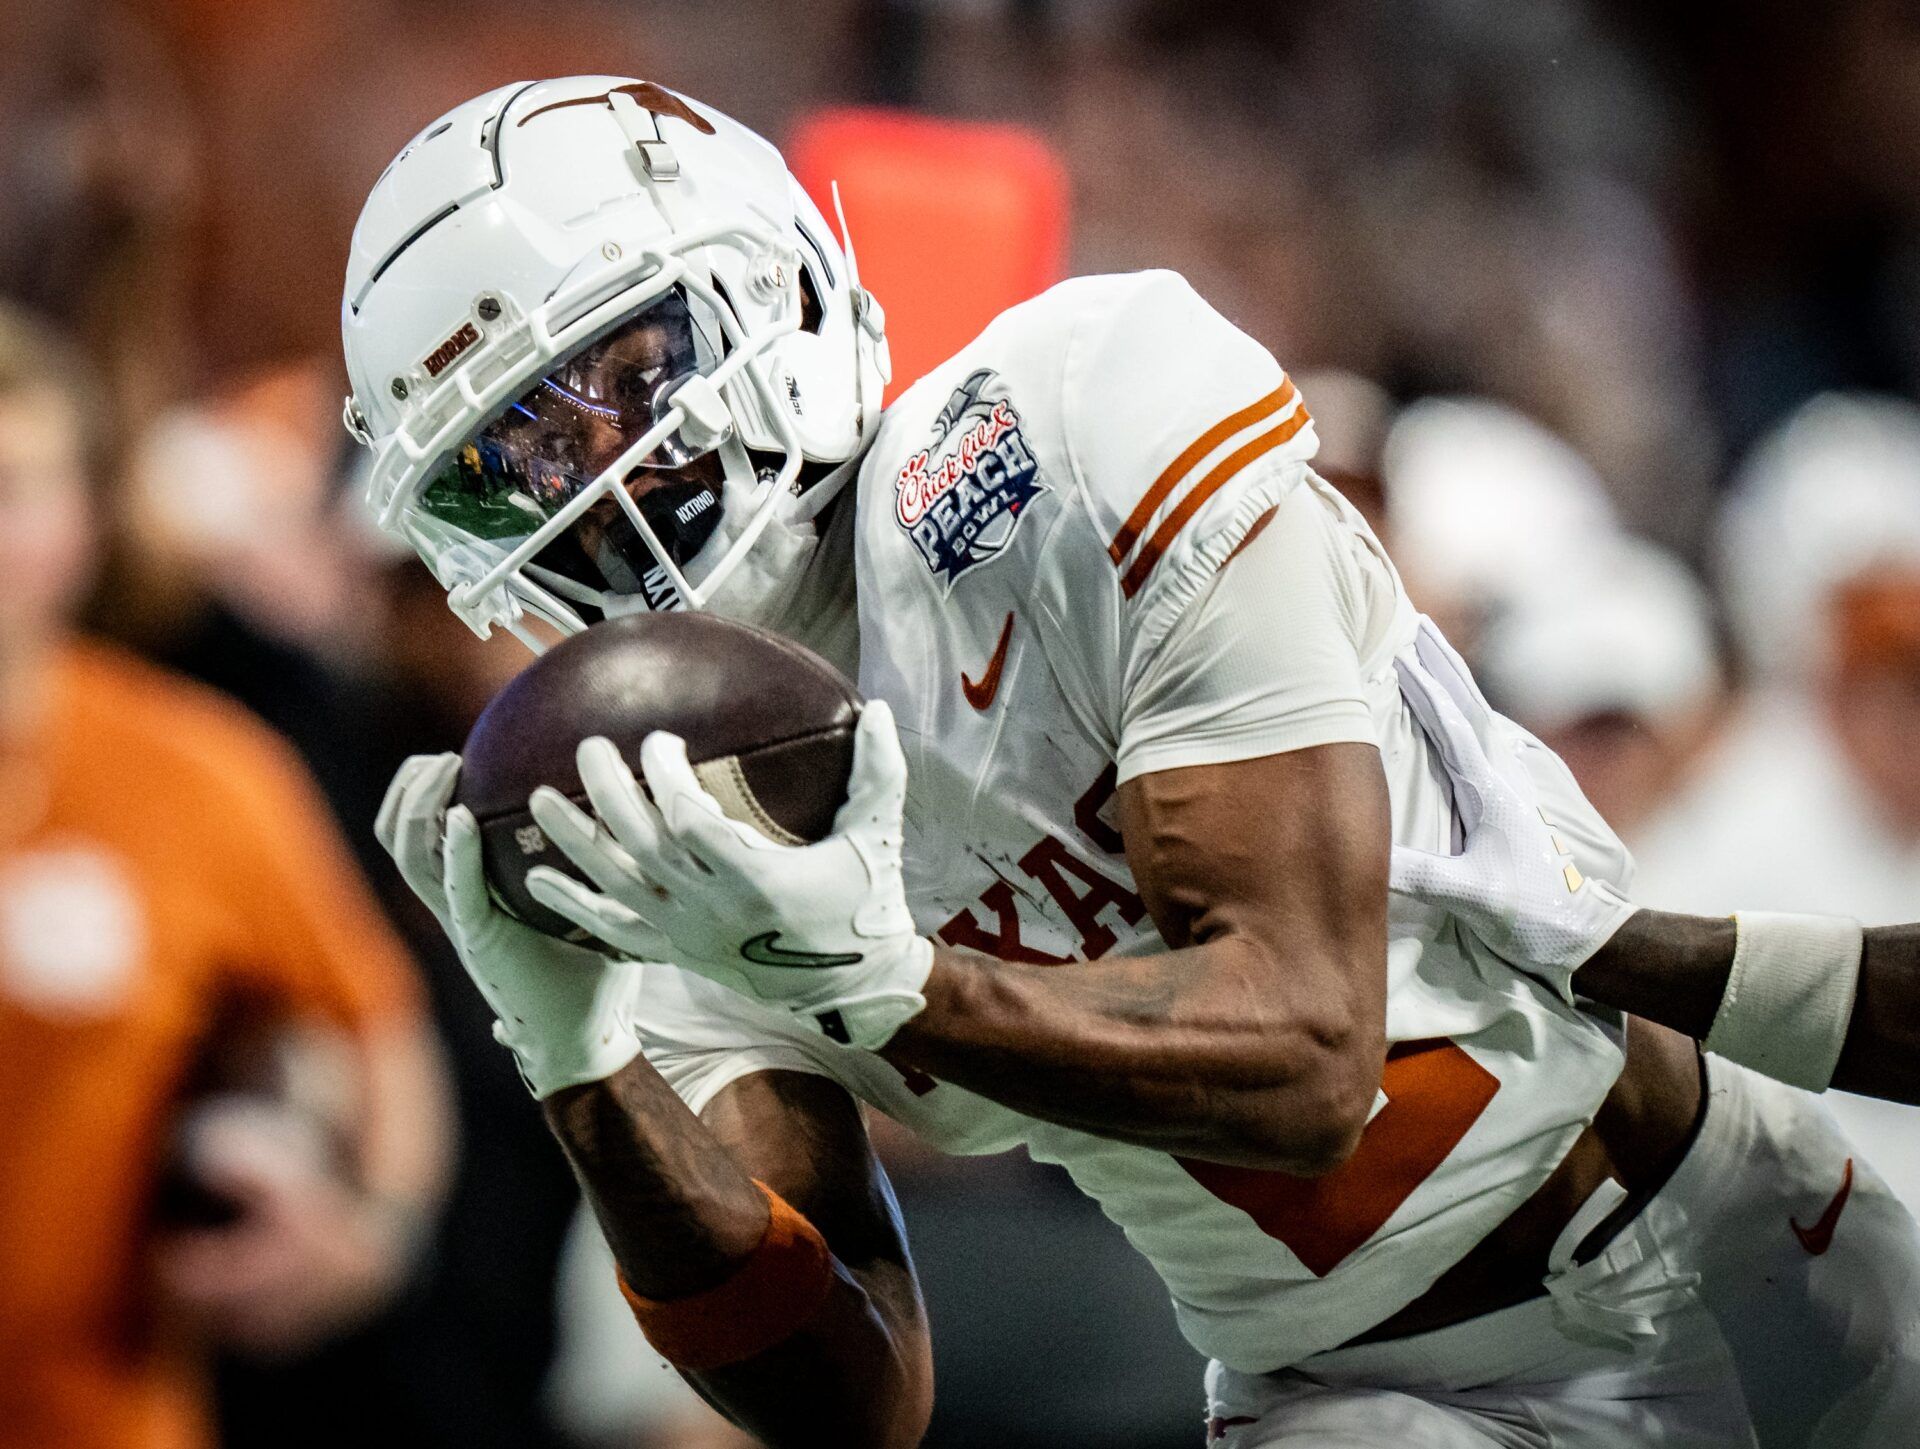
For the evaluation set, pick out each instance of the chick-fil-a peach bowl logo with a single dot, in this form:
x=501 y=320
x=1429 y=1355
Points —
x=960 y=499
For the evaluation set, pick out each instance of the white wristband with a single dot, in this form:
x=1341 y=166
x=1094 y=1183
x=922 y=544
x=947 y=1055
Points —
x=1789 y=996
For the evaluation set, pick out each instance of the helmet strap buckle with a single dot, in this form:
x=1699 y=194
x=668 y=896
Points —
x=642 y=128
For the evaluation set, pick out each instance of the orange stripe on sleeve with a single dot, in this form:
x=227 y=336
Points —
x=1170 y=476
x=1216 y=478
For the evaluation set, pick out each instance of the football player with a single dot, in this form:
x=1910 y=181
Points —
x=1149 y=714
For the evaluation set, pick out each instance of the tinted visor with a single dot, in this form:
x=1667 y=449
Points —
x=554 y=440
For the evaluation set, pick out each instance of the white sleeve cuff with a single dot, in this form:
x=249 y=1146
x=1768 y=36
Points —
x=1789 y=997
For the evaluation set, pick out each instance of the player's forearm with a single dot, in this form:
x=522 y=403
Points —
x=677 y=1210
x=682 y=1217
x=1673 y=969
x=1669 y=968
x=846 y=1383
x=1881 y=1057
x=1214 y=1051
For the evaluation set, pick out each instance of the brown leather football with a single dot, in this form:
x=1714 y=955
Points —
x=768 y=724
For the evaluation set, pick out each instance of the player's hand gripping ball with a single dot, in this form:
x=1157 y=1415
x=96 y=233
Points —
x=768 y=725
x=760 y=844
x=564 y=1011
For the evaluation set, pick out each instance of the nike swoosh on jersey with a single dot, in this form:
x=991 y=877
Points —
x=762 y=951
x=1818 y=1238
x=981 y=695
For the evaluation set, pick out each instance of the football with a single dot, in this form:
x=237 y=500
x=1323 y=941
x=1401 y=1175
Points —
x=769 y=727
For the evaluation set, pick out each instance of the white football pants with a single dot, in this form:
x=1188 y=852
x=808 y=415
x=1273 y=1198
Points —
x=1757 y=1300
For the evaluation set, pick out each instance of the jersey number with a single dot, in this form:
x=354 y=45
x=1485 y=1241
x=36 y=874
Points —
x=1435 y=1092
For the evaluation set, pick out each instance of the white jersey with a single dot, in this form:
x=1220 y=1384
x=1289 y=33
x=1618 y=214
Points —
x=1039 y=540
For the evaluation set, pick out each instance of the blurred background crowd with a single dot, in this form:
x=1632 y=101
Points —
x=1608 y=310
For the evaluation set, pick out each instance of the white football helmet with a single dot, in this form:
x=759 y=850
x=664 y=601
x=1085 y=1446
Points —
x=600 y=343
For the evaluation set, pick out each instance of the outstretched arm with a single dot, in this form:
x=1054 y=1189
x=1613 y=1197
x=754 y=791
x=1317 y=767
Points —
x=1674 y=969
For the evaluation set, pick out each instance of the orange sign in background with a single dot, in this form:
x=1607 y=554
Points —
x=952 y=221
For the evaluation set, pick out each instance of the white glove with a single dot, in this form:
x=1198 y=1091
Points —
x=1515 y=885
x=565 y=1012
x=822 y=930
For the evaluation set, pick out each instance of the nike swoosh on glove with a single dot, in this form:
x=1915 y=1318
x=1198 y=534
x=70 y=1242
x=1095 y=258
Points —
x=821 y=930
x=1515 y=886
x=565 y=1012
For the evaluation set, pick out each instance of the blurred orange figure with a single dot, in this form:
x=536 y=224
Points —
x=1875 y=696
x=952 y=222
x=162 y=855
